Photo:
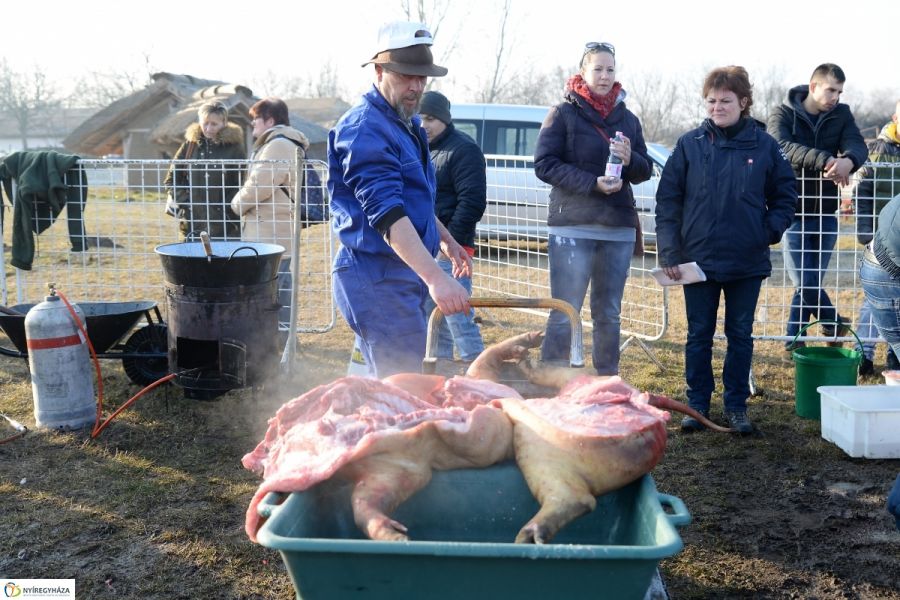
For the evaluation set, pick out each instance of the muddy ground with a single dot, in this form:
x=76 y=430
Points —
x=154 y=506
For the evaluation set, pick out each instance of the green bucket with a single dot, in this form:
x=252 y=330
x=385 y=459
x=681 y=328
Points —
x=816 y=366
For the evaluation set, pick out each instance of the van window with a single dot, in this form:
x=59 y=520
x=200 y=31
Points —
x=518 y=139
x=467 y=127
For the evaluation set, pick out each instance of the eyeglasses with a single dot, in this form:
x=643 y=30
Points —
x=600 y=46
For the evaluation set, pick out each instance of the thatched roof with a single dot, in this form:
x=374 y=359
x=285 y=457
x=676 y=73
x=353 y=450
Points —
x=177 y=98
x=324 y=111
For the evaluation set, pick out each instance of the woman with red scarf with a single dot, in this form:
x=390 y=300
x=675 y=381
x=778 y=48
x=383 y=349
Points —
x=593 y=225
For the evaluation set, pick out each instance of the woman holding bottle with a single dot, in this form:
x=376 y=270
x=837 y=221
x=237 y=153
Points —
x=592 y=221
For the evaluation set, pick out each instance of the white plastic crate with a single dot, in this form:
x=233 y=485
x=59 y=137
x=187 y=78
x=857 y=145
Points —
x=864 y=421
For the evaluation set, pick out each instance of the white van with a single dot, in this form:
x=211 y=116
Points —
x=517 y=199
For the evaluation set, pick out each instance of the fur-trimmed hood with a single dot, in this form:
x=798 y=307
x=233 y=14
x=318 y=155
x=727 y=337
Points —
x=232 y=134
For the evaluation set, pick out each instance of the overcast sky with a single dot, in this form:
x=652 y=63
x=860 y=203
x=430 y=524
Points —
x=241 y=42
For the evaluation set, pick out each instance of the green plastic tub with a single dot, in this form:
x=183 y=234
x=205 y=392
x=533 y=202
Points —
x=463 y=525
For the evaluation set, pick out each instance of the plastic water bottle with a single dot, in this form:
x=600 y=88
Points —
x=614 y=164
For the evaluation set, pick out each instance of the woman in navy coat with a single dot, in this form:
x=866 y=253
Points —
x=726 y=194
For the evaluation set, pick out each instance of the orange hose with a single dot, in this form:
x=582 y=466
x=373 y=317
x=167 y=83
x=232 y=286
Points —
x=98 y=427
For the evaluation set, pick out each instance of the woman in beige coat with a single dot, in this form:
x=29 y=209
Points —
x=265 y=201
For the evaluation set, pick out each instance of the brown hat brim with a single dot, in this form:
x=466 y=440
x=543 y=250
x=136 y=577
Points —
x=412 y=60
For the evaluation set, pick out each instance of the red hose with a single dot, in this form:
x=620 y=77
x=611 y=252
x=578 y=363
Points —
x=98 y=427
x=20 y=429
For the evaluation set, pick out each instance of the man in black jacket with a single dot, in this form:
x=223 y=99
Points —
x=822 y=142
x=460 y=201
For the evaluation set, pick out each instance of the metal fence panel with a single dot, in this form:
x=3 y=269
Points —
x=512 y=247
x=101 y=247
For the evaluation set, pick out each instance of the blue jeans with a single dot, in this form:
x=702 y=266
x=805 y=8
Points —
x=883 y=295
x=807 y=246
x=865 y=328
x=460 y=328
x=701 y=301
x=574 y=263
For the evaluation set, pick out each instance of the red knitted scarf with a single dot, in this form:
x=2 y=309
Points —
x=602 y=104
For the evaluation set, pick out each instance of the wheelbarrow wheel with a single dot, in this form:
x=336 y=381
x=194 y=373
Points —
x=150 y=340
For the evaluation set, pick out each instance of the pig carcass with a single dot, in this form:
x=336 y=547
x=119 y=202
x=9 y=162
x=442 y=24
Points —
x=383 y=439
x=598 y=435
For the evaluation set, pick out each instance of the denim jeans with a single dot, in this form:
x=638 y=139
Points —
x=460 y=328
x=883 y=295
x=807 y=246
x=865 y=328
x=701 y=301
x=574 y=263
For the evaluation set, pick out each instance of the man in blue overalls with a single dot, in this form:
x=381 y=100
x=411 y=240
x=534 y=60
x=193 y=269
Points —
x=382 y=185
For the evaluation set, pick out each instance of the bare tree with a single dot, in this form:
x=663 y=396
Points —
x=492 y=90
x=873 y=109
x=324 y=84
x=769 y=91
x=662 y=104
x=434 y=14
x=98 y=89
x=23 y=96
x=532 y=87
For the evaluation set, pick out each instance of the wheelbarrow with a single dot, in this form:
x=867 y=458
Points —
x=510 y=375
x=144 y=354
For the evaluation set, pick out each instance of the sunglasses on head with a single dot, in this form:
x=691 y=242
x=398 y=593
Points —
x=601 y=46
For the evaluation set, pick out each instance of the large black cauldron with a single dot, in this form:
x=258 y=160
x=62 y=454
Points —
x=222 y=314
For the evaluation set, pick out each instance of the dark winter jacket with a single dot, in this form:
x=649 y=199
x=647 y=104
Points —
x=877 y=184
x=571 y=153
x=721 y=202
x=809 y=146
x=204 y=191
x=46 y=181
x=461 y=183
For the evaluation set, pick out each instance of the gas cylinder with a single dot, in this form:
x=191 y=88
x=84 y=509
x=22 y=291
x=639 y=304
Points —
x=59 y=361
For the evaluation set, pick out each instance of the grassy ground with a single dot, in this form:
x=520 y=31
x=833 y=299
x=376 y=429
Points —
x=154 y=507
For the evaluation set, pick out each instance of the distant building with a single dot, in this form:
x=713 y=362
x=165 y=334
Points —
x=150 y=123
x=46 y=129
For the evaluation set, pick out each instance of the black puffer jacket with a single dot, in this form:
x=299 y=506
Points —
x=721 y=202
x=204 y=191
x=809 y=146
x=571 y=153
x=461 y=183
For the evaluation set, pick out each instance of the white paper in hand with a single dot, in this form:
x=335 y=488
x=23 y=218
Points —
x=690 y=273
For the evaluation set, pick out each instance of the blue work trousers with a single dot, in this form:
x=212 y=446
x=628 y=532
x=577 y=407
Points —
x=383 y=301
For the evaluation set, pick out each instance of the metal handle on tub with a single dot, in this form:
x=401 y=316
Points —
x=835 y=323
x=576 y=352
x=270 y=504
x=680 y=515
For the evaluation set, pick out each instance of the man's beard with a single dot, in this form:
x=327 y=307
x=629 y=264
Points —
x=405 y=113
